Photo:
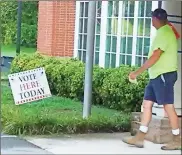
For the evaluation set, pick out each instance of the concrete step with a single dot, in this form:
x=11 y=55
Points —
x=159 y=128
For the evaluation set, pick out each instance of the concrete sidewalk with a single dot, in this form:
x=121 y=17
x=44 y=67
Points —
x=94 y=144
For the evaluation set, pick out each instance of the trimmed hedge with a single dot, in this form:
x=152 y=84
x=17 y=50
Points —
x=111 y=87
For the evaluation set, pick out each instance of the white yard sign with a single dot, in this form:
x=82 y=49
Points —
x=29 y=86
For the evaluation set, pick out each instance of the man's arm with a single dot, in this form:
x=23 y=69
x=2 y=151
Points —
x=150 y=62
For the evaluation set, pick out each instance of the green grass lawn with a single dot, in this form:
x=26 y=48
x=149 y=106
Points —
x=10 y=50
x=57 y=115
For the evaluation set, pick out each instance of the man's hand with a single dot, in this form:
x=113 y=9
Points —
x=133 y=75
x=149 y=63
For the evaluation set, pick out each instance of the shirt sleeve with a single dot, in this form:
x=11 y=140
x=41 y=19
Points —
x=161 y=42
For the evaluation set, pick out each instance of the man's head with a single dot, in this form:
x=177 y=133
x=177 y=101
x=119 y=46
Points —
x=159 y=18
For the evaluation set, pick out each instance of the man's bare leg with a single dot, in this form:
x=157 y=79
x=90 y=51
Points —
x=147 y=112
x=138 y=140
x=175 y=144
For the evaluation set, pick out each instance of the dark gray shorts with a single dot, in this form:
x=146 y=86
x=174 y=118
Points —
x=161 y=89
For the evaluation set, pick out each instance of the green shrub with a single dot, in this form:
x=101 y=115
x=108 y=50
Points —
x=111 y=87
x=118 y=93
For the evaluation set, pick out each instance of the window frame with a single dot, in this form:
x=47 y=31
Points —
x=103 y=32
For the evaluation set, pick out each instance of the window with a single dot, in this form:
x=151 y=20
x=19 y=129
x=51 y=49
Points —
x=125 y=34
x=143 y=32
x=82 y=39
x=97 y=32
x=82 y=36
x=111 y=34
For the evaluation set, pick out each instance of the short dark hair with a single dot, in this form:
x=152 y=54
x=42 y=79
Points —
x=160 y=14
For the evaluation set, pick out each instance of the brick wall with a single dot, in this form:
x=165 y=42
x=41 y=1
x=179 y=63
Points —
x=56 y=25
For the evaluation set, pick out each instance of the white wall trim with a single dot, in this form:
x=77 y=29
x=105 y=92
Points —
x=103 y=33
x=118 y=45
x=153 y=30
x=135 y=28
x=77 y=14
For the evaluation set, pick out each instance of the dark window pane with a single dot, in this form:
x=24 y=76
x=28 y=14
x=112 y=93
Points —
x=97 y=49
x=107 y=60
x=122 y=59
x=128 y=60
x=97 y=44
x=130 y=26
x=138 y=61
x=84 y=56
x=146 y=46
x=81 y=25
x=110 y=8
x=108 y=26
x=147 y=26
x=96 y=58
x=85 y=25
x=80 y=42
x=98 y=20
x=79 y=54
x=113 y=60
x=114 y=28
x=148 y=8
x=129 y=45
x=124 y=26
x=85 y=42
x=123 y=45
x=114 y=41
x=141 y=8
x=108 y=43
x=99 y=3
x=125 y=8
x=86 y=9
x=81 y=9
x=99 y=12
x=140 y=27
x=132 y=8
x=116 y=8
x=139 y=46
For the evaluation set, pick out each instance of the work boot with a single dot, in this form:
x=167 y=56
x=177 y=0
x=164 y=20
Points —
x=175 y=144
x=137 y=140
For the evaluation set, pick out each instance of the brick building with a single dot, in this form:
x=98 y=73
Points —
x=56 y=26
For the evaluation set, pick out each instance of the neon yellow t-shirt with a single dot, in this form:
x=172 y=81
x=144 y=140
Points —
x=166 y=41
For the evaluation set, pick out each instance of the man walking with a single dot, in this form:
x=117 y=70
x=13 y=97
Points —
x=162 y=68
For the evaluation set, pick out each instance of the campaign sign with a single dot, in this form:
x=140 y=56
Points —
x=29 y=86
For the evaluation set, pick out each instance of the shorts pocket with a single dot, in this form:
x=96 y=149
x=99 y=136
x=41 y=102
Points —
x=163 y=79
x=169 y=78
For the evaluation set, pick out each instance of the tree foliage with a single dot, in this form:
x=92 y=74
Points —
x=29 y=22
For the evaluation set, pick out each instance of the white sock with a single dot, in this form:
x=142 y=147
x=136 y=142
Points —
x=175 y=132
x=143 y=129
